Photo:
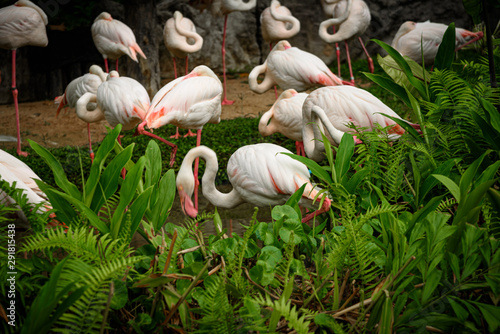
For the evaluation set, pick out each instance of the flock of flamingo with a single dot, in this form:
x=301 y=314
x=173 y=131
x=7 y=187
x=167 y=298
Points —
x=258 y=173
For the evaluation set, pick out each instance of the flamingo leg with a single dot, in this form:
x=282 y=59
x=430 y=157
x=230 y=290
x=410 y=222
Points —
x=106 y=65
x=175 y=68
x=140 y=129
x=299 y=146
x=337 y=50
x=370 y=60
x=90 y=144
x=16 y=105
x=190 y=134
x=196 y=164
x=186 y=65
x=275 y=88
x=116 y=66
x=177 y=135
x=349 y=62
x=225 y=101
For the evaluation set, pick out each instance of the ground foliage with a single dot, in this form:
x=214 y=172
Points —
x=409 y=245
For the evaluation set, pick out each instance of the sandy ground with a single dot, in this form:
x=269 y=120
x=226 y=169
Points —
x=39 y=123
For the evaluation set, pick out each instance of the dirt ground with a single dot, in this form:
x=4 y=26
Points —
x=39 y=123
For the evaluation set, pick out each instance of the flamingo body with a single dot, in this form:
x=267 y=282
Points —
x=188 y=102
x=411 y=35
x=180 y=37
x=290 y=67
x=22 y=23
x=278 y=23
x=285 y=116
x=113 y=38
x=352 y=17
x=335 y=108
x=119 y=100
x=259 y=174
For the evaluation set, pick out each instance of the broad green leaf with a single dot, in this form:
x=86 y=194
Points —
x=64 y=211
x=294 y=200
x=390 y=86
x=343 y=157
x=153 y=164
x=469 y=175
x=491 y=314
x=492 y=115
x=165 y=199
x=446 y=51
x=430 y=182
x=120 y=295
x=282 y=211
x=356 y=179
x=387 y=317
x=490 y=134
x=271 y=255
x=431 y=283
x=59 y=174
x=422 y=213
x=137 y=210
x=448 y=183
x=459 y=310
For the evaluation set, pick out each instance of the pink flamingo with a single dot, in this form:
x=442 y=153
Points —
x=277 y=23
x=290 y=67
x=335 y=108
x=259 y=174
x=411 y=34
x=285 y=117
x=353 y=18
x=188 y=102
x=22 y=23
x=181 y=39
x=113 y=39
x=88 y=82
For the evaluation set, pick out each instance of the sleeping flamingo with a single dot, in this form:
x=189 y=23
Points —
x=225 y=7
x=352 y=18
x=277 y=23
x=290 y=67
x=88 y=82
x=285 y=117
x=188 y=102
x=120 y=100
x=259 y=174
x=335 y=108
x=22 y=23
x=181 y=39
x=411 y=34
x=113 y=39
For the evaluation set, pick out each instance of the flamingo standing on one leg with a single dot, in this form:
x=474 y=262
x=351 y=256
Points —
x=181 y=39
x=285 y=117
x=113 y=39
x=411 y=35
x=88 y=82
x=259 y=175
x=22 y=23
x=290 y=67
x=353 y=18
x=225 y=7
x=188 y=102
x=278 y=23
x=335 y=108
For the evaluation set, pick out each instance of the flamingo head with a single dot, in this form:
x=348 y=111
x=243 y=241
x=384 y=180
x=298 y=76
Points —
x=185 y=198
x=282 y=45
x=104 y=16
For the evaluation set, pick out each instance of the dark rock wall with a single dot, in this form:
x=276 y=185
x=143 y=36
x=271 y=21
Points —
x=43 y=73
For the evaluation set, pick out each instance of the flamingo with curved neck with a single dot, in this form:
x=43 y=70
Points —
x=260 y=175
x=335 y=108
x=278 y=23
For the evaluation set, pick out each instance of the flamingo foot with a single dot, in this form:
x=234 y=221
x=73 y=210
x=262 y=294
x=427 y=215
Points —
x=177 y=135
x=227 y=102
x=190 y=134
x=92 y=156
x=22 y=153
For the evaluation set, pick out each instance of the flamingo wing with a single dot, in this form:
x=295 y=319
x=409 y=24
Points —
x=20 y=26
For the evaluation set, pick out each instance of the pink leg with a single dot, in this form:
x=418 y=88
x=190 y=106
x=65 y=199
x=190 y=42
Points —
x=349 y=62
x=186 y=65
x=337 y=49
x=370 y=60
x=140 y=129
x=196 y=164
x=299 y=146
x=90 y=144
x=116 y=66
x=16 y=105
x=478 y=35
x=175 y=68
x=225 y=101
x=275 y=88
x=324 y=208
x=106 y=65
x=190 y=134
x=177 y=135
x=124 y=171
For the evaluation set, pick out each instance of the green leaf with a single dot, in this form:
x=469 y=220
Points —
x=315 y=168
x=469 y=175
x=430 y=182
x=460 y=311
x=448 y=183
x=165 y=200
x=120 y=295
x=153 y=164
x=446 y=51
x=137 y=209
x=59 y=174
x=390 y=86
x=271 y=255
x=386 y=318
x=431 y=283
x=491 y=314
x=343 y=157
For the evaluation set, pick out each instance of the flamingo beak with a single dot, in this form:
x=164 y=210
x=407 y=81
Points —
x=186 y=203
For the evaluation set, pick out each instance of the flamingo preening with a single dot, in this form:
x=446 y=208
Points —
x=22 y=23
x=113 y=39
x=412 y=35
x=352 y=18
x=259 y=174
x=181 y=39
